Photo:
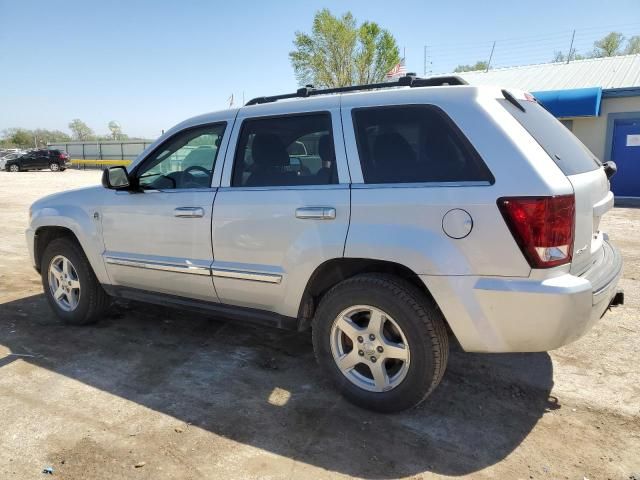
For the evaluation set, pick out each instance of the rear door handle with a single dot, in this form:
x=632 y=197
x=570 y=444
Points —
x=316 y=213
x=189 y=212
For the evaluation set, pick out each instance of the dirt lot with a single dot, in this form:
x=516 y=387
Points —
x=187 y=396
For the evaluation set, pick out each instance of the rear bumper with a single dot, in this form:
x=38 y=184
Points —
x=499 y=314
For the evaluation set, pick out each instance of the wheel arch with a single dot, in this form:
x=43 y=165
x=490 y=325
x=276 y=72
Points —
x=77 y=228
x=332 y=272
x=44 y=235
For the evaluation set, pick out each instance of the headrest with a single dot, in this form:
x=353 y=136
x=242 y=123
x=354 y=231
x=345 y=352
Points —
x=267 y=150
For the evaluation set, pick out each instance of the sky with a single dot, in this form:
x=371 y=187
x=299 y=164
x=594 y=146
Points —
x=151 y=64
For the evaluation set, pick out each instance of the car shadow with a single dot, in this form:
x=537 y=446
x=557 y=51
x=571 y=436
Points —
x=261 y=387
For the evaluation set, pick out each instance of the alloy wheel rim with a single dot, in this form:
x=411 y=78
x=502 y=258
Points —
x=13 y=168
x=369 y=348
x=64 y=283
x=54 y=167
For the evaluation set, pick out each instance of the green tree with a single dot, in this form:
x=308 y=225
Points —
x=608 y=46
x=20 y=137
x=338 y=53
x=479 y=65
x=44 y=136
x=633 y=45
x=559 y=56
x=80 y=130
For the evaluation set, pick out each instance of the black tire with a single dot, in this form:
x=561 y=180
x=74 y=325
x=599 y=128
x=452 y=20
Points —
x=9 y=168
x=54 y=166
x=418 y=317
x=93 y=301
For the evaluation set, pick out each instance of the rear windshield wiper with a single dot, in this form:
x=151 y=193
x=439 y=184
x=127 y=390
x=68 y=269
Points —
x=513 y=100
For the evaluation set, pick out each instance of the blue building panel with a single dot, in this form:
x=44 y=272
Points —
x=577 y=102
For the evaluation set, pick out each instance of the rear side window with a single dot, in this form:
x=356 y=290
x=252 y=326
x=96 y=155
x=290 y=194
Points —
x=561 y=145
x=413 y=144
x=285 y=151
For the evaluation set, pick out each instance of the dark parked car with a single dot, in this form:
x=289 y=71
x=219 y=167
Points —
x=54 y=160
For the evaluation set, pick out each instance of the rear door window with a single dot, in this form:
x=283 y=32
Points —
x=414 y=144
x=285 y=151
x=569 y=153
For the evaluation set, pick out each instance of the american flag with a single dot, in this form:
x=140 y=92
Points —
x=398 y=70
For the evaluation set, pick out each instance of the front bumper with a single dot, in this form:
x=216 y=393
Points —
x=30 y=234
x=500 y=314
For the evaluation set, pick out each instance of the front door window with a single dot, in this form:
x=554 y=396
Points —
x=184 y=161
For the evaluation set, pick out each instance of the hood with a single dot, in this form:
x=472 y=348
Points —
x=84 y=196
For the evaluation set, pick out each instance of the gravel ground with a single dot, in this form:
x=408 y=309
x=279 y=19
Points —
x=157 y=393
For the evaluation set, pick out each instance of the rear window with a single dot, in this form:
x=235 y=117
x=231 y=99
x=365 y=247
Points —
x=561 y=145
x=414 y=144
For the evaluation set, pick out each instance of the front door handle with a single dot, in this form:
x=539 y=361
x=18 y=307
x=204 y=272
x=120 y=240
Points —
x=189 y=212
x=316 y=213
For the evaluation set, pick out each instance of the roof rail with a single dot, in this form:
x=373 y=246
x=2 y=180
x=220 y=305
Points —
x=409 y=80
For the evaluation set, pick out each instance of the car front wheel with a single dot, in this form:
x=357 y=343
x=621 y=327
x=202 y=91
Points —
x=14 y=167
x=71 y=287
x=382 y=341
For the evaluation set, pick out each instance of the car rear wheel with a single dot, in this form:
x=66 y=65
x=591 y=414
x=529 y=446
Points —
x=382 y=341
x=14 y=167
x=54 y=167
x=71 y=287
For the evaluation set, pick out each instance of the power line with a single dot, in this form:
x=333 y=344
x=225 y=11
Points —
x=567 y=32
x=510 y=51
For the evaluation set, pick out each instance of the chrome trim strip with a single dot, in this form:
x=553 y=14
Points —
x=165 y=267
x=332 y=186
x=422 y=184
x=246 y=275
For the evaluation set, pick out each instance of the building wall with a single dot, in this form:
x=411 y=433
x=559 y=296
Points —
x=593 y=130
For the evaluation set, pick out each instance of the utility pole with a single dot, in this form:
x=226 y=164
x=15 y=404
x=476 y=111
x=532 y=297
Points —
x=573 y=35
x=424 y=70
x=404 y=54
x=490 y=56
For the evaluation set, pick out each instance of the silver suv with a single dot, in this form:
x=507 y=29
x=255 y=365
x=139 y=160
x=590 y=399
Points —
x=384 y=217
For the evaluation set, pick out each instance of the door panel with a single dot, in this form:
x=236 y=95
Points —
x=151 y=246
x=158 y=237
x=42 y=160
x=626 y=154
x=284 y=206
x=264 y=253
x=29 y=162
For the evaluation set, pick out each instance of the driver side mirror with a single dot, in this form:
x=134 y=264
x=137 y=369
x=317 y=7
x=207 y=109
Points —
x=115 y=178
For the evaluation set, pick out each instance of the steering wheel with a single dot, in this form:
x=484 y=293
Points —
x=191 y=180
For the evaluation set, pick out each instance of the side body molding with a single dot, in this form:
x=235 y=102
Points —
x=189 y=267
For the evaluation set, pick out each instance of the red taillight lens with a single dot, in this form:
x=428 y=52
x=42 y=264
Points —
x=542 y=227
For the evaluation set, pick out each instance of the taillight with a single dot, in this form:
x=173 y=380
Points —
x=542 y=226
